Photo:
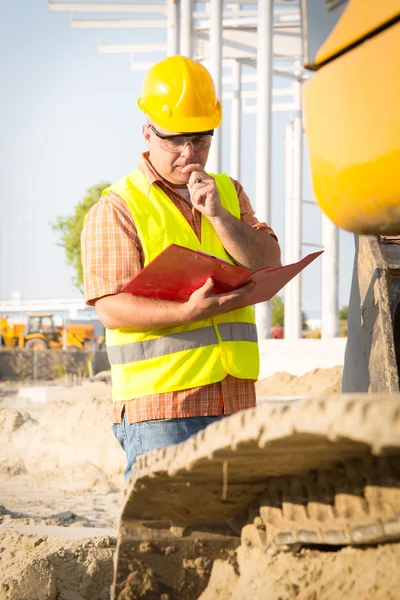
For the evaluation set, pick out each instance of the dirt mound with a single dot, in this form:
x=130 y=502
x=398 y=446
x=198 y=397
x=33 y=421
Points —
x=60 y=457
x=315 y=383
x=359 y=574
x=56 y=444
x=46 y=568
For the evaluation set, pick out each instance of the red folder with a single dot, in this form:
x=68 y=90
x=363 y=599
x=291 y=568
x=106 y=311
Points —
x=178 y=271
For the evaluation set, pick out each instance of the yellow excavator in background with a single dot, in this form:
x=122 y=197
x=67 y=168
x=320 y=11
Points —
x=41 y=333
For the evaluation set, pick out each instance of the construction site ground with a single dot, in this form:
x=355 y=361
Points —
x=61 y=491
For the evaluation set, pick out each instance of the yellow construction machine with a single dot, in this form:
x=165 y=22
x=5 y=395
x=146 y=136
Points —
x=353 y=137
x=9 y=333
x=351 y=111
x=41 y=333
x=315 y=472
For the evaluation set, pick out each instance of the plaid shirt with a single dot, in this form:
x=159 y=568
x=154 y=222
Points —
x=111 y=255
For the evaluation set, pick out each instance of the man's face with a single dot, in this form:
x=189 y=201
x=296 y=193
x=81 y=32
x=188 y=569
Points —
x=169 y=163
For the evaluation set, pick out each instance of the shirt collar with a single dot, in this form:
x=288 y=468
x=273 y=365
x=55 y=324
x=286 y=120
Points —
x=148 y=170
x=151 y=174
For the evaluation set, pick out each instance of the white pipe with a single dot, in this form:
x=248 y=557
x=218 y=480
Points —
x=297 y=207
x=329 y=280
x=186 y=28
x=288 y=254
x=263 y=137
x=148 y=7
x=228 y=13
x=118 y=23
x=236 y=113
x=173 y=27
x=215 y=62
x=106 y=7
x=289 y=17
x=232 y=22
x=249 y=22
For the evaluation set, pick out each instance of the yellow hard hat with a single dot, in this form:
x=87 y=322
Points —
x=179 y=95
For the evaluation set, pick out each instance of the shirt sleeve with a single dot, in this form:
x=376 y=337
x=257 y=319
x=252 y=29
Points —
x=247 y=213
x=110 y=247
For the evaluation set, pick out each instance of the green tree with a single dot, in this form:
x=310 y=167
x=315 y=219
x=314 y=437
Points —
x=344 y=313
x=278 y=313
x=70 y=228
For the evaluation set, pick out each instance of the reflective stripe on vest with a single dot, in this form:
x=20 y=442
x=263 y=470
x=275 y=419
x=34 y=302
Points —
x=179 y=342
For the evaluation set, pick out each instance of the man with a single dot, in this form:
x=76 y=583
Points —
x=176 y=367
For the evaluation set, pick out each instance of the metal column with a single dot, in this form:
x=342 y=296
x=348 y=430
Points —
x=186 y=28
x=215 y=62
x=288 y=253
x=329 y=280
x=263 y=136
x=173 y=27
x=236 y=121
x=296 y=241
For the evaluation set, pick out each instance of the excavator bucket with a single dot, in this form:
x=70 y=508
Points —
x=314 y=471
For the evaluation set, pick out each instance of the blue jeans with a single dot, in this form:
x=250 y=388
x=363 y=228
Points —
x=140 y=438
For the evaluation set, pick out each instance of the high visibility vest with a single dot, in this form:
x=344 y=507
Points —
x=194 y=354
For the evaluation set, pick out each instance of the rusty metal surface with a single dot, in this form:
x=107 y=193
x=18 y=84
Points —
x=324 y=460
x=372 y=358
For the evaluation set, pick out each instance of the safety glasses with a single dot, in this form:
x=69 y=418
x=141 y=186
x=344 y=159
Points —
x=177 y=143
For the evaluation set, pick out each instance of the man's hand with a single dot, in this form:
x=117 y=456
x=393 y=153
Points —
x=203 y=303
x=203 y=192
x=246 y=245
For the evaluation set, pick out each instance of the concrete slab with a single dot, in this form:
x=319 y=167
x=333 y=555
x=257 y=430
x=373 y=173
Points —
x=34 y=394
x=298 y=357
x=49 y=393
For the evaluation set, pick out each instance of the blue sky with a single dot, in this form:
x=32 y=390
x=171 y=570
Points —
x=68 y=120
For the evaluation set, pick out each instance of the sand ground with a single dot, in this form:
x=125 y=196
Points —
x=61 y=471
